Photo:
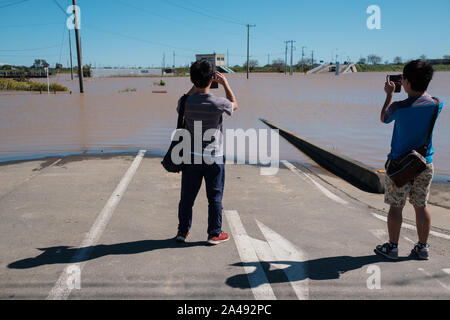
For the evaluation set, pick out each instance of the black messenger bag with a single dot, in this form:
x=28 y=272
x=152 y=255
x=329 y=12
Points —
x=167 y=162
x=406 y=168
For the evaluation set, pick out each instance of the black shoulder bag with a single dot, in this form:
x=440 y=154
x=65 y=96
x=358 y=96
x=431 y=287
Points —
x=167 y=162
x=406 y=168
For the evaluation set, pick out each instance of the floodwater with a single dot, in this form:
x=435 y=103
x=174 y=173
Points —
x=341 y=113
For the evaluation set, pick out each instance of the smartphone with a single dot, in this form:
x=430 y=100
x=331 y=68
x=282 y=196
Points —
x=214 y=84
x=397 y=79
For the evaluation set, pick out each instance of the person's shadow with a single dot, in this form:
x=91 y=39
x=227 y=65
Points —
x=317 y=269
x=65 y=254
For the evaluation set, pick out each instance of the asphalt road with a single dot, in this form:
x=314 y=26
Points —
x=88 y=227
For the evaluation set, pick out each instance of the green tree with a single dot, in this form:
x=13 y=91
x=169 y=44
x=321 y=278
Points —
x=398 y=60
x=374 y=59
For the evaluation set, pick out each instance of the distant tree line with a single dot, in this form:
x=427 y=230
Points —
x=374 y=59
x=40 y=64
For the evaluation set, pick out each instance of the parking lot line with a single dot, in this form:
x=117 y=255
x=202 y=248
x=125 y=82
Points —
x=66 y=282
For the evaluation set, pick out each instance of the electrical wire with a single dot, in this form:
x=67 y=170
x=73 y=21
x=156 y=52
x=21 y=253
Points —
x=13 y=4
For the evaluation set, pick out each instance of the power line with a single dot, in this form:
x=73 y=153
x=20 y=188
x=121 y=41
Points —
x=13 y=4
x=203 y=13
x=28 y=25
x=221 y=16
x=60 y=7
x=140 y=39
x=33 y=49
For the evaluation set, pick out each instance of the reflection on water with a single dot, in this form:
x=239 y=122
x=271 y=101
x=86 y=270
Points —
x=341 y=113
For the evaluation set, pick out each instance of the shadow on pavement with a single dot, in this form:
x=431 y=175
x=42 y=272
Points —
x=65 y=254
x=317 y=269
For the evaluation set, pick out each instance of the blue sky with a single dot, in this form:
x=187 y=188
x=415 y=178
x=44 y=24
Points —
x=140 y=32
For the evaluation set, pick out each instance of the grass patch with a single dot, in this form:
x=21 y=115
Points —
x=161 y=83
x=28 y=85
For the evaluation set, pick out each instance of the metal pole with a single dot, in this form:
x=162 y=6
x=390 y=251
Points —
x=291 y=72
x=303 y=59
x=285 y=58
x=71 y=62
x=248 y=47
x=48 y=81
x=228 y=59
x=77 y=36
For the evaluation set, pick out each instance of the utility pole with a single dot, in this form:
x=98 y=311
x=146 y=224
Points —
x=163 y=64
x=174 y=61
x=228 y=59
x=268 y=59
x=248 y=47
x=312 y=58
x=71 y=63
x=291 y=71
x=285 y=58
x=303 y=59
x=77 y=36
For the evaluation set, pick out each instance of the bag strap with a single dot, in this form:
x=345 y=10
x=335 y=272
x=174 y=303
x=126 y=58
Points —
x=430 y=132
x=433 y=122
x=180 y=122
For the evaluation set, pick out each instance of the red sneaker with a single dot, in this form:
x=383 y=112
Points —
x=181 y=237
x=222 y=237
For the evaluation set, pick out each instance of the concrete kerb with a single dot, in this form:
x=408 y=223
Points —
x=358 y=174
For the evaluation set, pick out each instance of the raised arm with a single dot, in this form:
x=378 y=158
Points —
x=389 y=88
x=229 y=93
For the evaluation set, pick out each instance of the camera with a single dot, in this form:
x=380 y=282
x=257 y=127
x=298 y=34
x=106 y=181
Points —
x=397 y=79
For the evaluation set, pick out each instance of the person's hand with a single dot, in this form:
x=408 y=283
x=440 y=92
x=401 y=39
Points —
x=220 y=78
x=389 y=86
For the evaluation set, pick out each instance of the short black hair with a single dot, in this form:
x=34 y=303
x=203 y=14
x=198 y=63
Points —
x=201 y=73
x=419 y=73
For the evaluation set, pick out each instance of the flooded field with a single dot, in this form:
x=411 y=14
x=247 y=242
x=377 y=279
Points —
x=341 y=113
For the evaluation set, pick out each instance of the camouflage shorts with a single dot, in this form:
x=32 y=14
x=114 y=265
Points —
x=418 y=191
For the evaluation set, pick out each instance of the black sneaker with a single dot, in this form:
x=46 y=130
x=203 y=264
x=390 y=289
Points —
x=387 y=251
x=422 y=252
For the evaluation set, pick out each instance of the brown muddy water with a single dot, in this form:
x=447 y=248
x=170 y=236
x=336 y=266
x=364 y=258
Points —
x=341 y=113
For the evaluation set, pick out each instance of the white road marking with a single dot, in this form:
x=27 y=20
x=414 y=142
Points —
x=302 y=174
x=380 y=234
x=411 y=227
x=256 y=277
x=409 y=240
x=285 y=251
x=62 y=287
x=446 y=270
x=443 y=285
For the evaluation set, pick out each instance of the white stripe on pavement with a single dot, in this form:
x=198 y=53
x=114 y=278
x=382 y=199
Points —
x=380 y=234
x=256 y=277
x=64 y=286
x=443 y=285
x=285 y=251
x=411 y=227
x=302 y=174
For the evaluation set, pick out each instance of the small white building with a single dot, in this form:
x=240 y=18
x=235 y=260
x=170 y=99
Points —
x=219 y=59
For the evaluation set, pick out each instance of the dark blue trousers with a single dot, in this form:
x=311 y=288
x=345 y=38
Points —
x=191 y=181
